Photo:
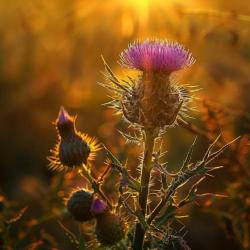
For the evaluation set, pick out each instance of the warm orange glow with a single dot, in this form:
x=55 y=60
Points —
x=141 y=10
x=50 y=55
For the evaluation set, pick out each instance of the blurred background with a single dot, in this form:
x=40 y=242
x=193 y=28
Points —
x=50 y=55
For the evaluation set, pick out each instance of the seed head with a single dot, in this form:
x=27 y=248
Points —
x=79 y=205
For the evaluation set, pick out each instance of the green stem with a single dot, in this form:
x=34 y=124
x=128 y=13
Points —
x=145 y=179
x=86 y=173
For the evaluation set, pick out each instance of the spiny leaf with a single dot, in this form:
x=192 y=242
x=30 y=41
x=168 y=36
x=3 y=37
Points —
x=111 y=76
x=131 y=139
x=127 y=83
x=214 y=155
x=132 y=183
x=189 y=155
x=112 y=157
x=111 y=88
x=115 y=104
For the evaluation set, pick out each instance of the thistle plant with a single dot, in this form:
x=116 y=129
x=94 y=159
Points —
x=150 y=103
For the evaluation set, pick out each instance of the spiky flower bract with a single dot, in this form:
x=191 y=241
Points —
x=156 y=55
x=73 y=148
x=79 y=205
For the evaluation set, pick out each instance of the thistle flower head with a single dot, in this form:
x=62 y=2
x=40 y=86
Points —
x=153 y=99
x=156 y=55
x=98 y=206
x=73 y=148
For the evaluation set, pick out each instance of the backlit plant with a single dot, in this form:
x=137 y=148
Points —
x=151 y=103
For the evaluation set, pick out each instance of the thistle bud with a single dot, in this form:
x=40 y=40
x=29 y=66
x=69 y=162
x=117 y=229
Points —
x=73 y=148
x=79 y=205
x=98 y=207
x=73 y=151
x=65 y=123
x=110 y=229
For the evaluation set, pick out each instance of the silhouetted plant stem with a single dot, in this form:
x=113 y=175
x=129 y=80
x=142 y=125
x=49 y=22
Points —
x=145 y=179
x=95 y=185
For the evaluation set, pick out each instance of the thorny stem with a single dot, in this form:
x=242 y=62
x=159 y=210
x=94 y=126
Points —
x=177 y=181
x=85 y=173
x=199 y=169
x=145 y=179
x=169 y=193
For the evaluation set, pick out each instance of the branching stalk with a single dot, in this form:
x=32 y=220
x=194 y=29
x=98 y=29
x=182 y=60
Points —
x=85 y=173
x=199 y=169
x=145 y=179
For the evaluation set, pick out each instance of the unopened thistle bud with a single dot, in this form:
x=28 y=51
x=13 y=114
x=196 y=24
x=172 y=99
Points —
x=110 y=229
x=79 y=205
x=98 y=207
x=73 y=148
x=154 y=101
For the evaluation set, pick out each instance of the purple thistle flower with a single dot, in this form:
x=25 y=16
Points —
x=63 y=116
x=98 y=206
x=156 y=55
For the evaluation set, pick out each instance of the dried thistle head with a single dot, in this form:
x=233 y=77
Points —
x=153 y=99
x=73 y=148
